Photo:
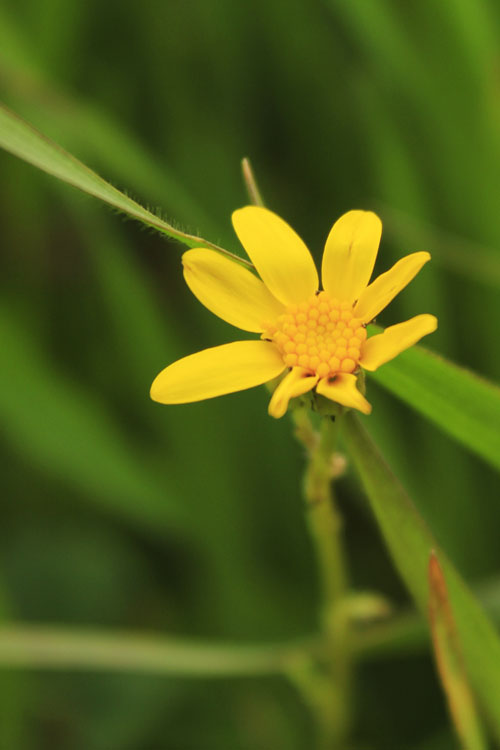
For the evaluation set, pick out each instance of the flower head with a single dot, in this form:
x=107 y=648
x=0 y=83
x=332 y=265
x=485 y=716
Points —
x=317 y=337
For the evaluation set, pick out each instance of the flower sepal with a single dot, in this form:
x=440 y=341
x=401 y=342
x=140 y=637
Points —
x=325 y=407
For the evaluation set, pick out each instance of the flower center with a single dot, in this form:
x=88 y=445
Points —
x=321 y=335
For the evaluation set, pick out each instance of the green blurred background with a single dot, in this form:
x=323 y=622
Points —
x=120 y=513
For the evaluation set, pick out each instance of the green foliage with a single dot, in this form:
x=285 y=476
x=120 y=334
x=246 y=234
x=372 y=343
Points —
x=460 y=402
x=450 y=661
x=83 y=445
x=411 y=544
x=20 y=139
x=188 y=521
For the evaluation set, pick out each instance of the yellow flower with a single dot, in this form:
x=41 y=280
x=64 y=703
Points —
x=317 y=337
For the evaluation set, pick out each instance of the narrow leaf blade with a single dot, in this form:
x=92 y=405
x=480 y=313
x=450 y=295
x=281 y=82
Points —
x=459 y=402
x=449 y=660
x=410 y=542
x=23 y=140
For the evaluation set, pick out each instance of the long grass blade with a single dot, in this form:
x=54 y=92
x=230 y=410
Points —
x=449 y=659
x=23 y=140
x=410 y=542
x=462 y=404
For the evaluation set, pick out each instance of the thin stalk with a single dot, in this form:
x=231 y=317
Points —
x=324 y=521
x=253 y=191
x=52 y=647
x=325 y=526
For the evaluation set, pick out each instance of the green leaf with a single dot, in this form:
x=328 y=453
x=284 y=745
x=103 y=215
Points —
x=410 y=543
x=449 y=659
x=85 y=128
x=23 y=140
x=61 y=648
x=462 y=404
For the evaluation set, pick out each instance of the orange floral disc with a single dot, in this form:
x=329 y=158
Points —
x=321 y=335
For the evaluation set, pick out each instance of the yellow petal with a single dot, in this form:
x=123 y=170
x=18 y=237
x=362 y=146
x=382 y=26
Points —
x=375 y=297
x=379 y=349
x=229 y=290
x=350 y=252
x=284 y=263
x=343 y=390
x=297 y=382
x=214 y=372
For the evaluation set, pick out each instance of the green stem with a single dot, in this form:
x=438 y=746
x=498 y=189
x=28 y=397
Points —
x=52 y=647
x=325 y=526
x=324 y=521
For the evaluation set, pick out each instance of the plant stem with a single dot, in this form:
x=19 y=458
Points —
x=324 y=521
x=59 y=647
x=251 y=183
x=325 y=526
